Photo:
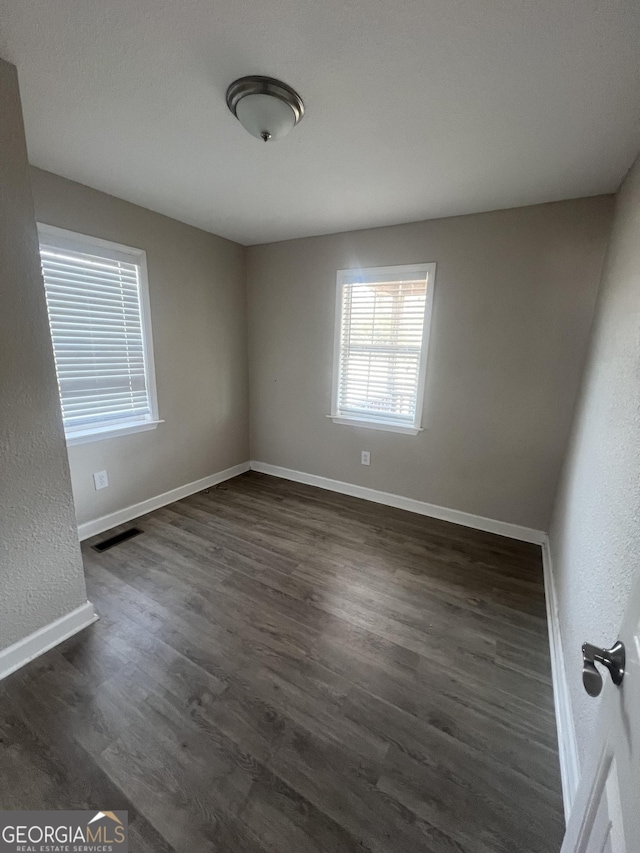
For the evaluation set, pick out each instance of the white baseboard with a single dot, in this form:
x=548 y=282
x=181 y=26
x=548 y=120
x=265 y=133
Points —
x=36 y=644
x=478 y=522
x=567 y=746
x=121 y=516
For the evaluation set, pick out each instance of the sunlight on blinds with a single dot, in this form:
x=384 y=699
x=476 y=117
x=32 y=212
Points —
x=382 y=326
x=96 y=329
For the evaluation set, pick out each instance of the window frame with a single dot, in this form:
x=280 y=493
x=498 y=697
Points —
x=377 y=421
x=61 y=238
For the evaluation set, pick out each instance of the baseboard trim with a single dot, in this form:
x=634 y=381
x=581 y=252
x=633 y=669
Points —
x=122 y=516
x=477 y=522
x=567 y=745
x=16 y=656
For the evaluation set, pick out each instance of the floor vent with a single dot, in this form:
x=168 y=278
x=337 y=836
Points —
x=117 y=539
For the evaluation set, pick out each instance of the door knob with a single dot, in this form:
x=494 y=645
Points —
x=613 y=659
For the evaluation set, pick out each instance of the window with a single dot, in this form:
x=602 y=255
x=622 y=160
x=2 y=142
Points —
x=382 y=330
x=101 y=331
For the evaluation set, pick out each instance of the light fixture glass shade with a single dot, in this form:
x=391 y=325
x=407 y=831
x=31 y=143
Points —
x=266 y=107
x=265 y=116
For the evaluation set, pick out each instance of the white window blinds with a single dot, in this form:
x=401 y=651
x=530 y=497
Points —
x=96 y=316
x=382 y=318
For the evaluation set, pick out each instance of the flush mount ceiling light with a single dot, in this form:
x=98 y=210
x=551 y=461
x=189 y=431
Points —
x=265 y=107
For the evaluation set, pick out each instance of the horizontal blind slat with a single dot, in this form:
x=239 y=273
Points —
x=77 y=286
x=103 y=279
x=92 y=303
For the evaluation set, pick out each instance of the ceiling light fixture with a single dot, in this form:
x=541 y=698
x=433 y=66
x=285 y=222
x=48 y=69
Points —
x=265 y=107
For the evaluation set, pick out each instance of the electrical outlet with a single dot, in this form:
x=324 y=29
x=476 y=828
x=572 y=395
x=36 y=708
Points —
x=100 y=479
x=365 y=457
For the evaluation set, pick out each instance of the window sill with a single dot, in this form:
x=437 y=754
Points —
x=100 y=433
x=367 y=424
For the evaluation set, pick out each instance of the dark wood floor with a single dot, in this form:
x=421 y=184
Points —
x=280 y=668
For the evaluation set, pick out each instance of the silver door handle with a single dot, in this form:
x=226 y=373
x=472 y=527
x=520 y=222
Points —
x=613 y=659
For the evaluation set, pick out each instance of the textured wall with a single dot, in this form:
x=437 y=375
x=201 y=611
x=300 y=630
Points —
x=197 y=293
x=595 y=535
x=514 y=299
x=41 y=575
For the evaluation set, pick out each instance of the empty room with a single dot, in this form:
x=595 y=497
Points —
x=319 y=426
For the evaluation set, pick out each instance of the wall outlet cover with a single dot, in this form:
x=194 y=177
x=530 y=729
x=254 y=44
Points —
x=100 y=480
x=365 y=457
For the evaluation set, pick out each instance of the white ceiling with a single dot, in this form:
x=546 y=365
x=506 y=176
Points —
x=415 y=108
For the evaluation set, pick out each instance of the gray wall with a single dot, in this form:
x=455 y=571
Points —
x=198 y=313
x=595 y=535
x=514 y=299
x=41 y=575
